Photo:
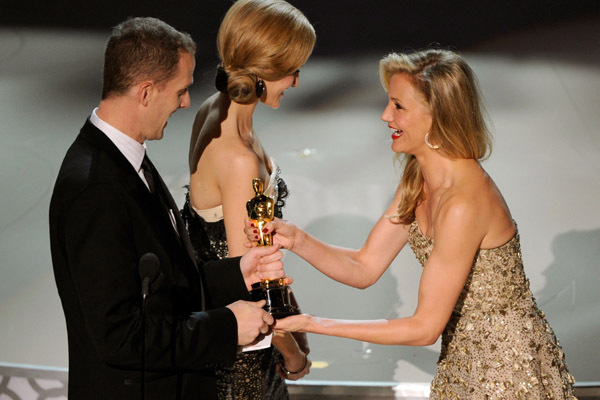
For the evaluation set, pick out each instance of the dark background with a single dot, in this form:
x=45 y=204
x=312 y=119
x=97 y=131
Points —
x=344 y=27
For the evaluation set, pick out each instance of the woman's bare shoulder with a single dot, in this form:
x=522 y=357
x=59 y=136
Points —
x=481 y=206
x=228 y=154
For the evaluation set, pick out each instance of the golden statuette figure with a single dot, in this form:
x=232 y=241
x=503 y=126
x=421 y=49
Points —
x=261 y=210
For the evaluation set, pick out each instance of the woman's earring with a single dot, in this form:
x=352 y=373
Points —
x=221 y=79
x=260 y=88
x=432 y=147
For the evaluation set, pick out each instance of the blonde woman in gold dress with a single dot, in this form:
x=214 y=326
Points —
x=496 y=342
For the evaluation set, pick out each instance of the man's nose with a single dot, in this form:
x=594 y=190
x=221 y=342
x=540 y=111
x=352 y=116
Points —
x=186 y=101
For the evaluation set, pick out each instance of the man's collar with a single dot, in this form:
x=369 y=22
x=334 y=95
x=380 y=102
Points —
x=129 y=147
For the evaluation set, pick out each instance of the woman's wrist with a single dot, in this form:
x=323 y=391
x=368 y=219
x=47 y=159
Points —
x=299 y=240
x=286 y=344
x=293 y=372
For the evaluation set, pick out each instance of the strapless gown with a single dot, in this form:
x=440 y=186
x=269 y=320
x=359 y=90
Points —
x=497 y=344
x=253 y=375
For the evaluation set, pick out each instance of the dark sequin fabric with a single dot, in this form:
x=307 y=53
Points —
x=253 y=375
x=209 y=238
x=497 y=344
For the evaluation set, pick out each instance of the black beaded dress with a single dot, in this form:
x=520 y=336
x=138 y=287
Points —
x=497 y=344
x=253 y=375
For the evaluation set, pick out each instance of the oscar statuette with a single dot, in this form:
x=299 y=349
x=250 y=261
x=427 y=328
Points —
x=261 y=209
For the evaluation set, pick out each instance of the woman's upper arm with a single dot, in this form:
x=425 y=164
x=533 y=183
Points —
x=456 y=242
x=235 y=184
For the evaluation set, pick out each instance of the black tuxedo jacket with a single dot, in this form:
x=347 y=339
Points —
x=102 y=220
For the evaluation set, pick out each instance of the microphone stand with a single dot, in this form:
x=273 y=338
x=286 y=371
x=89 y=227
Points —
x=145 y=291
x=149 y=269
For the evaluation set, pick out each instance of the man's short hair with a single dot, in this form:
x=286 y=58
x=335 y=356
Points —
x=142 y=49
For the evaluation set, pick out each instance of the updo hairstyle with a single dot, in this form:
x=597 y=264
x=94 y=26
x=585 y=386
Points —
x=268 y=39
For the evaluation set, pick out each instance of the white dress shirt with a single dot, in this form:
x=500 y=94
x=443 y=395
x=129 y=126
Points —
x=133 y=150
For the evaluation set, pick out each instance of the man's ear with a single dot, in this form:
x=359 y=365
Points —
x=144 y=92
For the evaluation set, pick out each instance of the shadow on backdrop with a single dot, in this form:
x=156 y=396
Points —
x=335 y=300
x=571 y=291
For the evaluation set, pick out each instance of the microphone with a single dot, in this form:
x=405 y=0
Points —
x=149 y=268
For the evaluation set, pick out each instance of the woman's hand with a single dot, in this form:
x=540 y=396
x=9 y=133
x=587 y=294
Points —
x=295 y=367
x=293 y=323
x=294 y=363
x=284 y=234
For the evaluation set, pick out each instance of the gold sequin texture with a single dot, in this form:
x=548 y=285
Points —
x=497 y=344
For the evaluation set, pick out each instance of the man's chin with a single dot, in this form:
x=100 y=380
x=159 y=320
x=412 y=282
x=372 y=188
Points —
x=156 y=136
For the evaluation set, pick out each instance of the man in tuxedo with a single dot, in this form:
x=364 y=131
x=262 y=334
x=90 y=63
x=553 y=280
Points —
x=109 y=209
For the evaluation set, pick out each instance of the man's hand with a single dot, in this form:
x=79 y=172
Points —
x=262 y=262
x=252 y=321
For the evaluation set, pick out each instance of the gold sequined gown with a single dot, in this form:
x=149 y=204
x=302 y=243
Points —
x=497 y=344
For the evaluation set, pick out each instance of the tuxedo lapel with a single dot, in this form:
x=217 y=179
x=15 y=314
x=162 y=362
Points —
x=183 y=236
x=132 y=180
x=172 y=206
x=154 y=211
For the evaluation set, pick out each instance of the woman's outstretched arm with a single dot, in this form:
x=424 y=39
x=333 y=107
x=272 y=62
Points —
x=358 y=268
x=457 y=238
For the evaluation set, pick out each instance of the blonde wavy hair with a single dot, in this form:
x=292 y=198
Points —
x=451 y=91
x=268 y=39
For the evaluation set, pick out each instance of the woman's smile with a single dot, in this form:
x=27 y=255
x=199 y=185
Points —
x=396 y=133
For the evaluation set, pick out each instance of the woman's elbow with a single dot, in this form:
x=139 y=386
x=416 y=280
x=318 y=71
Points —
x=364 y=283
x=428 y=340
x=427 y=335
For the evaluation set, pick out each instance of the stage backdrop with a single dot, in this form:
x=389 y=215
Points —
x=542 y=89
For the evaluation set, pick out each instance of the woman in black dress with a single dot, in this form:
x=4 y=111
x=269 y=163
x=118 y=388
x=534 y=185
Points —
x=262 y=45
